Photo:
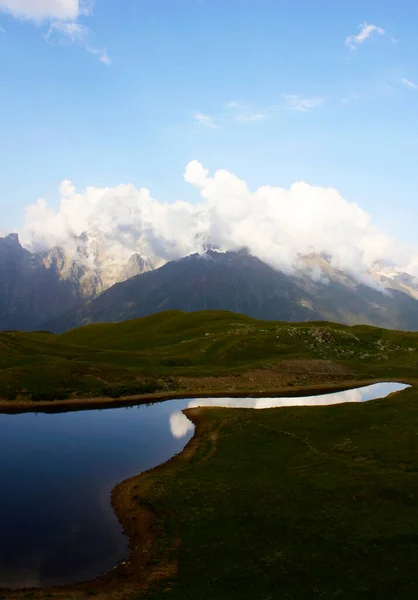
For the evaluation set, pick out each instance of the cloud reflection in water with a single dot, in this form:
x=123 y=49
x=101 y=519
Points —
x=180 y=424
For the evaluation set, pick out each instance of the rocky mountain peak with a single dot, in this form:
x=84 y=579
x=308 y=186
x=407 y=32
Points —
x=11 y=242
x=12 y=239
x=38 y=286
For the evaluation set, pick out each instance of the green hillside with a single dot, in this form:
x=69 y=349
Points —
x=307 y=502
x=293 y=503
x=175 y=351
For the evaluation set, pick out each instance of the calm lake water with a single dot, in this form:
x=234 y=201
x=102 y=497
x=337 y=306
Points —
x=57 y=472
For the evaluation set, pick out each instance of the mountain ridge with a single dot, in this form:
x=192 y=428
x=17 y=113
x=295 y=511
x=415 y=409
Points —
x=242 y=283
x=38 y=286
x=65 y=287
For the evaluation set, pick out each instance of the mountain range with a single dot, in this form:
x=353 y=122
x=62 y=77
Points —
x=63 y=288
x=36 y=287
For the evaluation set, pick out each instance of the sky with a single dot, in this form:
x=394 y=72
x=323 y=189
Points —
x=271 y=92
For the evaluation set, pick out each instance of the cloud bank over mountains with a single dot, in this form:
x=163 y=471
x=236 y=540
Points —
x=275 y=224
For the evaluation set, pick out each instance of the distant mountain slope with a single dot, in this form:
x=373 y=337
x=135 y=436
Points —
x=212 y=281
x=50 y=289
x=242 y=283
x=396 y=280
x=30 y=292
x=38 y=286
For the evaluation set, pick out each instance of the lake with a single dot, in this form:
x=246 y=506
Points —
x=57 y=471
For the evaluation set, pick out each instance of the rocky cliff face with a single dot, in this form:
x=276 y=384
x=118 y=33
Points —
x=30 y=291
x=88 y=281
x=36 y=287
x=390 y=277
x=92 y=266
x=242 y=283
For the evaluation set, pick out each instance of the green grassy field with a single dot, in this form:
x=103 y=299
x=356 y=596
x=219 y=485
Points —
x=154 y=353
x=292 y=503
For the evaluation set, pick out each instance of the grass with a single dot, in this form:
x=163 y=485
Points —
x=162 y=352
x=290 y=503
x=295 y=503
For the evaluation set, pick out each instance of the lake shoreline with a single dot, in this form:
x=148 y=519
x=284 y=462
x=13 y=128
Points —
x=139 y=570
x=77 y=404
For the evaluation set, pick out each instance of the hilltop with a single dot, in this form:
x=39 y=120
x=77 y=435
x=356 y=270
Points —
x=174 y=352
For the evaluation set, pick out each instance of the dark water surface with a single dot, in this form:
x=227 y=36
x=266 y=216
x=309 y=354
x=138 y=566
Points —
x=57 y=472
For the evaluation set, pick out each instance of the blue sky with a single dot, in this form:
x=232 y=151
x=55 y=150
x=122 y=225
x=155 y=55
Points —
x=130 y=91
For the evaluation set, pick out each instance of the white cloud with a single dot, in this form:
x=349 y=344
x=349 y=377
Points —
x=295 y=102
x=409 y=83
x=362 y=394
x=205 y=120
x=41 y=10
x=366 y=30
x=263 y=403
x=248 y=117
x=350 y=98
x=244 y=112
x=60 y=32
x=180 y=425
x=276 y=224
x=70 y=31
x=62 y=21
x=101 y=54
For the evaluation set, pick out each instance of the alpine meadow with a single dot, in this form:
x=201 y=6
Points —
x=208 y=300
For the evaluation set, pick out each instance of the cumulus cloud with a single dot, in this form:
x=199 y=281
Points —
x=275 y=224
x=62 y=20
x=180 y=425
x=40 y=10
x=366 y=30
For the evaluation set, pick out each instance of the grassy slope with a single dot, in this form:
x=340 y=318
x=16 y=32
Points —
x=297 y=503
x=294 y=503
x=150 y=354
